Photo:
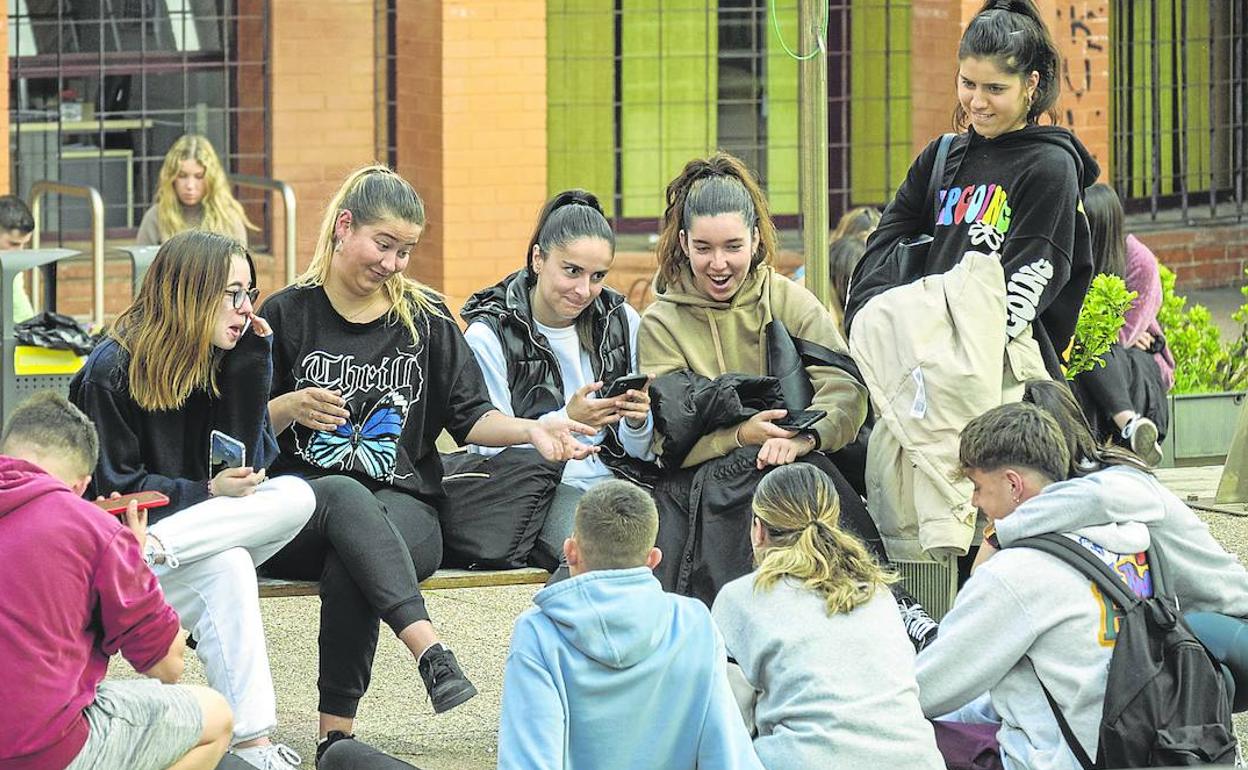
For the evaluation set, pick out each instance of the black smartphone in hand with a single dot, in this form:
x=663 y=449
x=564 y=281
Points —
x=803 y=419
x=624 y=384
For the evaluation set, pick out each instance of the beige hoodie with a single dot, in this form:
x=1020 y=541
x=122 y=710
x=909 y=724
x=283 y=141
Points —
x=683 y=329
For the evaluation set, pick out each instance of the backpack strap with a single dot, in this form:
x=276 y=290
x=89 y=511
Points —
x=932 y=202
x=1112 y=586
x=1076 y=748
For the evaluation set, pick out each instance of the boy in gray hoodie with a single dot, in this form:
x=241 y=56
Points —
x=1024 y=614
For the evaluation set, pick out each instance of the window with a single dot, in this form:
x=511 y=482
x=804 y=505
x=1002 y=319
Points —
x=1180 y=73
x=100 y=89
x=636 y=88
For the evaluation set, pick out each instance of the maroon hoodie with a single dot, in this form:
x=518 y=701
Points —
x=75 y=591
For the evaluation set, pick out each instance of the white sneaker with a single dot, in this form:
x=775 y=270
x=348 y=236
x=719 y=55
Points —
x=1142 y=434
x=275 y=756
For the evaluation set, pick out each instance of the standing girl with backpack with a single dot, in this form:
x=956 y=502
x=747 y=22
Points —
x=1010 y=187
x=552 y=337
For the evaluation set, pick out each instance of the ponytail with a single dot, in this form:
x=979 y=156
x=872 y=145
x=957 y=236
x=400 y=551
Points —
x=1012 y=33
x=567 y=217
x=800 y=508
x=720 y=184
x=373 y=194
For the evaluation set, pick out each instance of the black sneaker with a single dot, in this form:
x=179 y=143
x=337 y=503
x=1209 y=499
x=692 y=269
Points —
x=920 y=626
x=333 y=737
x=444 y=679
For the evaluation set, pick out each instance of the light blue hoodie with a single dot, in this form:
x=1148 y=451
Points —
x=609 y=671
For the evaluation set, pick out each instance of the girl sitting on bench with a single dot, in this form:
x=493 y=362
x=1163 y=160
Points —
x=369 y=366
x=187 y=359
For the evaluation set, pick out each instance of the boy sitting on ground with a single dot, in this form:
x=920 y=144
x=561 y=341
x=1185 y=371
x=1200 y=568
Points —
x=608 y=671
x=1024 y=617
x=77 y=591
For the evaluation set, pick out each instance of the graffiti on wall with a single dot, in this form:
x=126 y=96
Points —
x=1083 y=51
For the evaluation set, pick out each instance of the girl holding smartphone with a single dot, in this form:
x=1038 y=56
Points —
x=552 y=338
x=187 y=358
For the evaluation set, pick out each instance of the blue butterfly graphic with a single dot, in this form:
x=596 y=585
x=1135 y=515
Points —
x=371 y=446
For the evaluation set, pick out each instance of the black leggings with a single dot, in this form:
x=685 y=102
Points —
x=369 y=546
x=1130 y=381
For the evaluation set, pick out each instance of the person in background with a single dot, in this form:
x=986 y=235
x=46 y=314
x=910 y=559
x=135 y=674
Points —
x=843 y=257
x=193 y=192
x=827 y=663
x=17 y=225
x=85 y=594
x=1125 y=400
x=858 y=222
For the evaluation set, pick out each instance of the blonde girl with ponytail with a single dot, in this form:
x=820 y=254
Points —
x=826 y=670
x=369 y=367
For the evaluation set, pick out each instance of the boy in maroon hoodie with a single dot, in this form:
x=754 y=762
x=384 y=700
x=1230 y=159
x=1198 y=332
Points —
x=76 y=590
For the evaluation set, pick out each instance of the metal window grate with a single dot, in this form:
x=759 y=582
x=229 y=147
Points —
x=638 y=87
x=1180 y=73
x=100 y=89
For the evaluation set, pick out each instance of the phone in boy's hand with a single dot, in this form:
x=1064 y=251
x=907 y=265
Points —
x=226 y=452
x=626 y=383
x=117 y=505
x=803 y=419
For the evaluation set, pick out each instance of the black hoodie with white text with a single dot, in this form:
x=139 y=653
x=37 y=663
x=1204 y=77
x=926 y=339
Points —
x=1018 y=198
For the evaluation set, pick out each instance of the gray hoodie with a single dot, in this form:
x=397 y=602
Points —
x=1196 y=568
x=1024 y=607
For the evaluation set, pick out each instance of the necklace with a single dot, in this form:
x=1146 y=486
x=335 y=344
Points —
x=353 y=316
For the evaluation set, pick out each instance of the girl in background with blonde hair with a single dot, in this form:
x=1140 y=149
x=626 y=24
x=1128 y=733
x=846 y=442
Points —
x=193 y=193
x=369 y=366
x=827 y=664
x=189 y=358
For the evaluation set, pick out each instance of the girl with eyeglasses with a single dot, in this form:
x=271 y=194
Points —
x=190 y=357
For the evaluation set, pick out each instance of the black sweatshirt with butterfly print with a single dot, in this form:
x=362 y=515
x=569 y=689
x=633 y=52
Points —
x=400 y=394
x=1018 y=197
x=168 y=450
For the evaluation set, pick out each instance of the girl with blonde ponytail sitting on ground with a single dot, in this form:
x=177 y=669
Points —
x=828 y=667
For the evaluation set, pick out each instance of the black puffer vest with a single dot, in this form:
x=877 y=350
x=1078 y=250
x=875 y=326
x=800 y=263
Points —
x=532 y=370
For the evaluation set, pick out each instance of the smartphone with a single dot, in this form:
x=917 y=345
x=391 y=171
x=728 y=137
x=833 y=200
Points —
x=800 y=419
x=626 y=383
x=226 y=452
x=117 y=505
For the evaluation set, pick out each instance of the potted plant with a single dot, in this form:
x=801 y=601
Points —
x=1210 y=378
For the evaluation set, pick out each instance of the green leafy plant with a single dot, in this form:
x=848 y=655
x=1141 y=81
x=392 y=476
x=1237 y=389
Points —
x=1103 y=314
x=1203 y=363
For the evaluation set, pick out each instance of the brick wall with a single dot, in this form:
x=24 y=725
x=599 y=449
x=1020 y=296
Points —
x=1201 y=257
x=322 y=64
x=472 y=134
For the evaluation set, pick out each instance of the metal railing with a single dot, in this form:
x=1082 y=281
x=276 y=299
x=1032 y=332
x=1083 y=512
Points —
x=288 y=213
x=43 y=187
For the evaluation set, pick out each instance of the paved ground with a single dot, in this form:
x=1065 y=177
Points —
x=477 y=624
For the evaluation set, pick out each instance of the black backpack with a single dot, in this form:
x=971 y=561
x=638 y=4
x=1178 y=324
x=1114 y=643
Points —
x=1166 y=702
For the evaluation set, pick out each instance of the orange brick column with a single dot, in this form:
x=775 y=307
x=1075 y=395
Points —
x=1080 y=28
x=322 y=110
x=471 y=81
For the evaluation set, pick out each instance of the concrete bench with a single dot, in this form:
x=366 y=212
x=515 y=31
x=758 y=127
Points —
x=442 y=579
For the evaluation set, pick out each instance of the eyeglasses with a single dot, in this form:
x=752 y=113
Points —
x=236 y=296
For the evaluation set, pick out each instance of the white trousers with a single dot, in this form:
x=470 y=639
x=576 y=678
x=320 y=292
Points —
x=210 y=580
